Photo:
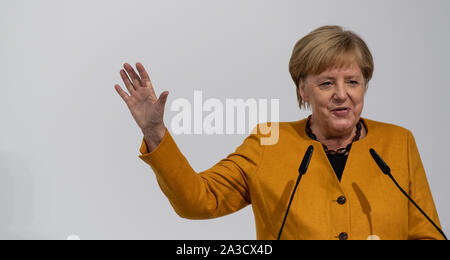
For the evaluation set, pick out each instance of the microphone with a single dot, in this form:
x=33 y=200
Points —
x=302 y=170
x=386 y=170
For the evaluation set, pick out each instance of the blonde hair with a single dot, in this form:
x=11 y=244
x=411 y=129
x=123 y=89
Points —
x=328 y=47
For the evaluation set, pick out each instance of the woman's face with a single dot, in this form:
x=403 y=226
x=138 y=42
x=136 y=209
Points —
x=331 y=90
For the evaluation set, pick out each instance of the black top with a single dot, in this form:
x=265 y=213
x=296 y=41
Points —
x=338 y=162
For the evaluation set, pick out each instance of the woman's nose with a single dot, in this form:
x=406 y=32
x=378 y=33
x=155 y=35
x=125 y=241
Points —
x=340 y=92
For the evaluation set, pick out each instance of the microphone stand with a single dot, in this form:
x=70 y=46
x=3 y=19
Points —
x=302 y=170
x=386 y=170
x=417 y=206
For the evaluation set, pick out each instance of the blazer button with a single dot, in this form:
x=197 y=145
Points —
x=341 y=200
x=343 y=236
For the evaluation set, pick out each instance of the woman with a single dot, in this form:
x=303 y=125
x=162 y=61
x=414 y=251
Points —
x=342 y=196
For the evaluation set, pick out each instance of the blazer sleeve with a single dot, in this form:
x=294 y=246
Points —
x=217 y=191
x=419 y=226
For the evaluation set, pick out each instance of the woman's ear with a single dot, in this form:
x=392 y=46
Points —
x=302 y=89
x=366 y=87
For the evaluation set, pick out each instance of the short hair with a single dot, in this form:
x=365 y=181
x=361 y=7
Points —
x=328 y=47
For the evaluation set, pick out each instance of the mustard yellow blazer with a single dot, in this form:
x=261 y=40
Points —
x=264 y=176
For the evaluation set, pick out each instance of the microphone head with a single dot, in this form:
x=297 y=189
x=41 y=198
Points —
x=383 y=166
x=306 y=159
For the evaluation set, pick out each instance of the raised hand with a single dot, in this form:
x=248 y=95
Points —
x=147 y=110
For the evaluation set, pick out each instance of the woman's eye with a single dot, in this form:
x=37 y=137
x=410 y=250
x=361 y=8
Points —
x=329 y=83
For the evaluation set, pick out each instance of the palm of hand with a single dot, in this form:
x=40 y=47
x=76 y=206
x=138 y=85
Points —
x=147 y=110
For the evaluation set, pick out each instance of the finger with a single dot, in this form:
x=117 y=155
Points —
x=122 y=93
x=162 y=100
x=127 y=81
x=144 y=75
x=145 y=79
x=133 y=75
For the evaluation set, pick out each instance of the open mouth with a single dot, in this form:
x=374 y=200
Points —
x=341 y=111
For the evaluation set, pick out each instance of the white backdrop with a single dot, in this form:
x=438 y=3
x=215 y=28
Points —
x=69 y=146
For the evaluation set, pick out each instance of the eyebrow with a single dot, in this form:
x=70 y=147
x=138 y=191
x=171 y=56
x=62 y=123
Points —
x=346 y=77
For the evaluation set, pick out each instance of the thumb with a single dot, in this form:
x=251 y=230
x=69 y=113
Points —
x=162 y=99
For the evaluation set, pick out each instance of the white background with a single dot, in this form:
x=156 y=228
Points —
x=69 y=146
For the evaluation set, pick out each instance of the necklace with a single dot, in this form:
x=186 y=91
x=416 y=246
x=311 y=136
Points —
x=341 y=151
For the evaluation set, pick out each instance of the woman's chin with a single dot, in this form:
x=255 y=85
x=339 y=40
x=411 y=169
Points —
x=342 y=124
